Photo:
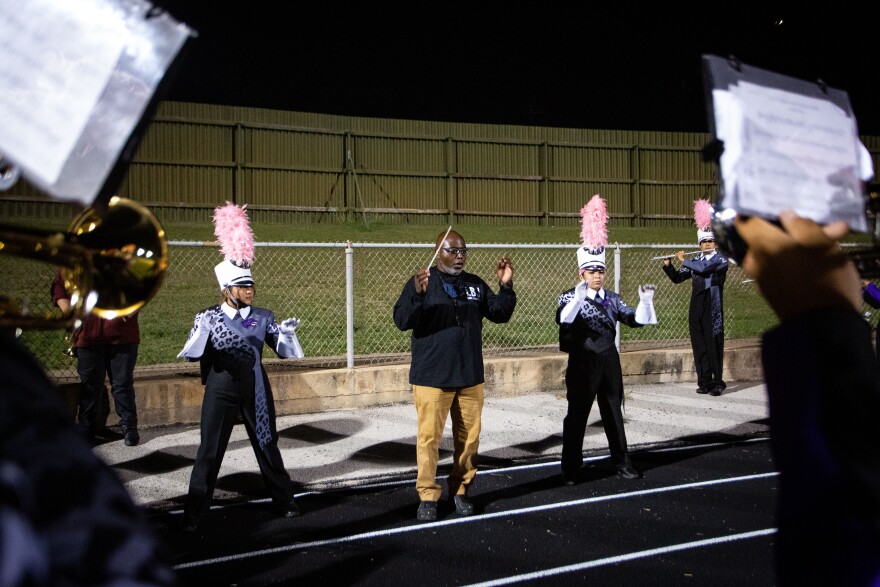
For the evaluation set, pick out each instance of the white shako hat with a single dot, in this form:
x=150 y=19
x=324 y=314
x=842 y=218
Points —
x=594 y=235
x=591 y=258
x=233 y=230
x=229 y=274
x=705 y=235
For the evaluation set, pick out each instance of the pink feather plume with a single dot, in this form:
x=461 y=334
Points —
x=233 y=230
x=702 y=214
x=594 y=219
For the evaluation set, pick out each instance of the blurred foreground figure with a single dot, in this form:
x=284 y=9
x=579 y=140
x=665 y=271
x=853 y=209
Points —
x=80 y=81
x=65 y=518
x=822 y=380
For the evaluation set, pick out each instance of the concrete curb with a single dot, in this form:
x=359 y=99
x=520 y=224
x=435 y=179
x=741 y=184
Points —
x=171 y=401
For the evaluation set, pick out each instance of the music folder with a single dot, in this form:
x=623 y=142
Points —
x=784 y=143
x=81 y=81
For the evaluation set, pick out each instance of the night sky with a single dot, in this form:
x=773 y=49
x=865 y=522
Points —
x=508 y=63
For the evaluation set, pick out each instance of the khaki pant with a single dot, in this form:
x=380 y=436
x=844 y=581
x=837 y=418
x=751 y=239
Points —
x=432 y=406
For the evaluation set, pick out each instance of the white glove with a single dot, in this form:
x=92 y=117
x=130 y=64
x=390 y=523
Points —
x=571 y=309
x=645 y=313
x=288 y=344
x=580 y=292
x=289 y=326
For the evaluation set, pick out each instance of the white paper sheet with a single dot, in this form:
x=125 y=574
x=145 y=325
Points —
x=784 y=150
x=54 y=69
x=76 y=78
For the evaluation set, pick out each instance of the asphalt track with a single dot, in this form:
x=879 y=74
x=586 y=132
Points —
x=703 y=514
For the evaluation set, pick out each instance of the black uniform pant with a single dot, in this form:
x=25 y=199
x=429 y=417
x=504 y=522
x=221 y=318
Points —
x=94 y=364
x=226 y=398
x=593 y=376
x=708 y=352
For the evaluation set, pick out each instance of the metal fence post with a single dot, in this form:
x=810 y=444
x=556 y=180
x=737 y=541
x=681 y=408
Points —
x=617 y=272
x=349 y=304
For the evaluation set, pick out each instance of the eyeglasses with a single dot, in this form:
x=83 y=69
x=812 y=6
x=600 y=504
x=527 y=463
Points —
x=456 y=251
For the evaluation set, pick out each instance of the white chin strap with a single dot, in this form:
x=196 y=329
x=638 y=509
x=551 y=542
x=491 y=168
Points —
x=233 y=301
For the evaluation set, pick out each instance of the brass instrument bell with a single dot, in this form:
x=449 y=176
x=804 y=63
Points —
x=112 y=263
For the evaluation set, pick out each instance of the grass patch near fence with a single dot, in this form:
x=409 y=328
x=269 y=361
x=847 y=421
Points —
x=309 y=283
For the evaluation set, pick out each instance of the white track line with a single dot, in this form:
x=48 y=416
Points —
x=468 y=520
x=485 y=471
x=623 y=558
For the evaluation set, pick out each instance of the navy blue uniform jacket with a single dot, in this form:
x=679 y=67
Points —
x=595 y=327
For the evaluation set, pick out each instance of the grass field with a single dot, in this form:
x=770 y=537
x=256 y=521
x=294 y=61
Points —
x=310 y=283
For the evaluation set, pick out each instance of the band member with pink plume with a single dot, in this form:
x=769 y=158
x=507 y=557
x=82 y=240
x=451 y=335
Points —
x=587 y=316
x=707 y=273
x=228 y=341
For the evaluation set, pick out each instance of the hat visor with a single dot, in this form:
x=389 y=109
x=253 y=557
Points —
x=241 y=282
x=593 y=266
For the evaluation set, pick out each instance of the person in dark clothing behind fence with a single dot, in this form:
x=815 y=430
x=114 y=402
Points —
x=444 y=307
x=587 y=316
x=706 y=314
x=104 y=348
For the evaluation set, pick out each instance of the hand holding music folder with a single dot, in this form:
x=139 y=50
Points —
x=782 y=143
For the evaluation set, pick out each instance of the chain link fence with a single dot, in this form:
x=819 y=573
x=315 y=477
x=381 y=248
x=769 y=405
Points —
x=344 y=294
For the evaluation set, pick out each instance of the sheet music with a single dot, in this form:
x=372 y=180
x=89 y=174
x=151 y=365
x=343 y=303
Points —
x=78 y=76
x=53 y=69
x=789 y=150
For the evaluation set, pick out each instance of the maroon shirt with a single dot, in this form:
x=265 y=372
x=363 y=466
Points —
x=95 y=330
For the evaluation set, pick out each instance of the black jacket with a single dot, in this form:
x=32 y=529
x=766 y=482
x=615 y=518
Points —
x=447 y=331
x=823 y=381
x=703 y=273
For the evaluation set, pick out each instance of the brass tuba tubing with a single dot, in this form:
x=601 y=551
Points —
x=112 y=262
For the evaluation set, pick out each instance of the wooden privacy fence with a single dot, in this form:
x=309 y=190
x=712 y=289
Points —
x=300 y=167
x=428 y=173
x=313 y=175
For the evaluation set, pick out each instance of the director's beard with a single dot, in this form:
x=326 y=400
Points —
x=449 y=270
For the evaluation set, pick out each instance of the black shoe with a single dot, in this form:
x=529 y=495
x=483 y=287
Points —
x=109 y=434
x=291 y=510
x=628 y=472
x=131 y=437
x=463 y=505
x=702 y=390
x=568 y=478
x=427 y=511
x=188 y=523
x=715 y=392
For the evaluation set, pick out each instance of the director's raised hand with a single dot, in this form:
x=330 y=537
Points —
x=504 y=270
